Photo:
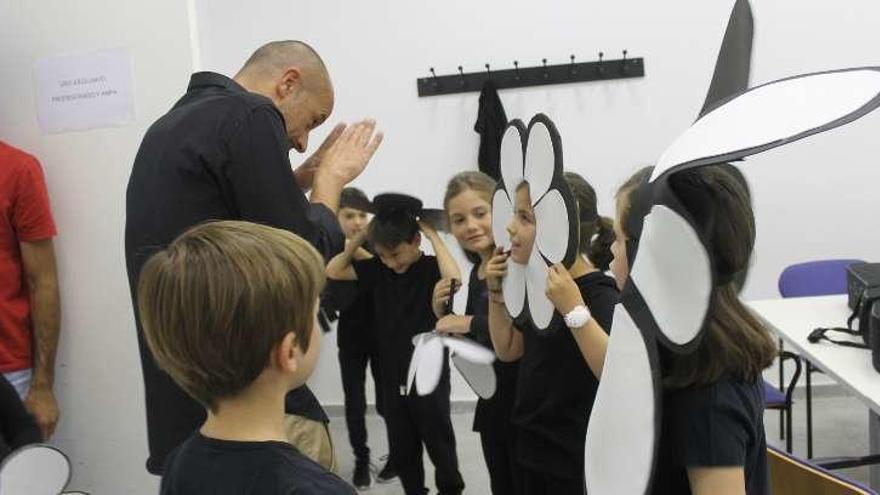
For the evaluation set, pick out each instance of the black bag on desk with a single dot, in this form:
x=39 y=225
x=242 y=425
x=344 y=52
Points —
x=863 y=288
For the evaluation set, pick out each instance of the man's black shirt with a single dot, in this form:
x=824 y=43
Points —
x=221 y=153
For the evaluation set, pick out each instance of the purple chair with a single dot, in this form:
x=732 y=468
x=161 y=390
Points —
x=780 y=399
x=813 y=278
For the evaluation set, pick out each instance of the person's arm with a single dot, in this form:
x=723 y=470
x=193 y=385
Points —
x=591 y=339
x=448 y=267
x=506 y=339
x=341 y=266
x=261 y=186
x=717 y=480
x=38 y=259
x=448 y=323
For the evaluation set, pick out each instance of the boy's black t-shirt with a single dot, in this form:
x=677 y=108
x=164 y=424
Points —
x=356 y=330
x=492 y=414
x=203 y=465
x=556 y=388
x=717 y=425
x=401 y=309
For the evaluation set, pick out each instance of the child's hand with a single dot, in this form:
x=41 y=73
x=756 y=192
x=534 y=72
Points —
x=442 y=291
x=427 y=228
x=360 y=238
x=561 y=289
x=496 y=270
x=454 y=324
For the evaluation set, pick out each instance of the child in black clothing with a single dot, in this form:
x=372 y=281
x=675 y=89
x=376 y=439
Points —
x=229 y=311
x=712 y=438
x=556 y=390
x=468 y=205
x=401 y=279
x=358 y=345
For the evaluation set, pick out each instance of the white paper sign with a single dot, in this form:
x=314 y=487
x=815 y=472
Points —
x=77 y=92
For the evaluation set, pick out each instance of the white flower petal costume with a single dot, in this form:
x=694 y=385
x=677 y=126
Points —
x=533 y=155
x=472 y=360
x=665 y=300
x=18 y=469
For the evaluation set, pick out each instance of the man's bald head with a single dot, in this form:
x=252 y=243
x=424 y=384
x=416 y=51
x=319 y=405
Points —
x=275 y=57
x=294 y=77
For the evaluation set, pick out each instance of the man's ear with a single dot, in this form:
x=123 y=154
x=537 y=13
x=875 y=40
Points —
x=417 y=240
x=286 y=355
x=291 y=80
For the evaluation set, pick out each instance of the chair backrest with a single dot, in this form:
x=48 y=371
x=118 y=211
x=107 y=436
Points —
x=791 y=475
x=815 y=278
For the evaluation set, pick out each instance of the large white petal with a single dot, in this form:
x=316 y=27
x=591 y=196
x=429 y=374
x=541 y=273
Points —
x=552 y=226
x=514 y=286
x=540 y=307
x=414 y=361
x=469 y=350
x=35 y=470
x=430 y=366
x=619 y=448
x=502 y=214
x=540 y=161
x=511 y=159
x=774 y=114
x=673 y=274
x=480 y=376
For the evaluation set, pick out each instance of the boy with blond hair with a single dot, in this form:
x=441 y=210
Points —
x=229 y=313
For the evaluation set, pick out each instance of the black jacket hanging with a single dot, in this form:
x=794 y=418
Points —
x=490 y=125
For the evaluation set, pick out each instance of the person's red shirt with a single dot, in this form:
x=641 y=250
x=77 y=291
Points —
x=24 y=205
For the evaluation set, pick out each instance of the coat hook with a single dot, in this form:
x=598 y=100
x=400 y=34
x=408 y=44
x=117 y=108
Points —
x=516 y=68
x=433 y=77
x=572 y=71
x=623 y=63
x=488 y=72
x=544 y=60
x=600 y=69
x=461 y=75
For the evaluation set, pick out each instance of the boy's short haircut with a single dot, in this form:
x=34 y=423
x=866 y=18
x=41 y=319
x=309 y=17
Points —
x=391 y=228
x=220 y=297
x=352 y=197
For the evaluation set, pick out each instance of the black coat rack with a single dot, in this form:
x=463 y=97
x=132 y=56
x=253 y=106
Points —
x=521 y=77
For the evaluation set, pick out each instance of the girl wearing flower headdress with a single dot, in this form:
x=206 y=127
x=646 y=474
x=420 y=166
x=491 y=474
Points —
x=712 y=437
x=556 y=390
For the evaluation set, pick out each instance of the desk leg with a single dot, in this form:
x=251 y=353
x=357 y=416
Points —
x=809 y=410
x=874 y=443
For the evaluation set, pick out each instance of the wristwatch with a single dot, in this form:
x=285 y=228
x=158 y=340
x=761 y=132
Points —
x=578 y=317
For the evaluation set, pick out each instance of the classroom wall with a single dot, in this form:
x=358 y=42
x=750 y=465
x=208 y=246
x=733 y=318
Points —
x=813 y=199
x=98 y=384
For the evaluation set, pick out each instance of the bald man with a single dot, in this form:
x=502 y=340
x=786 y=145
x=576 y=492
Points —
x=221 y=153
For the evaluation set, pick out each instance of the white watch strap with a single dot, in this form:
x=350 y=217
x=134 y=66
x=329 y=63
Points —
x=578 y=317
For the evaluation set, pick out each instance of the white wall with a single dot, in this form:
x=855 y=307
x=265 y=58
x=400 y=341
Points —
x=99 y=383
x=812 y=199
